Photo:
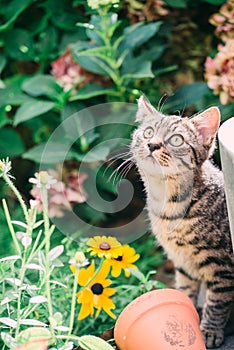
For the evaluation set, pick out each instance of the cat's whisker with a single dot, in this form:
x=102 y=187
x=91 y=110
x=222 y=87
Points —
x=119 y=155
x=162 y=101
x=116 y=171
x=115 y=158
x=126 y=170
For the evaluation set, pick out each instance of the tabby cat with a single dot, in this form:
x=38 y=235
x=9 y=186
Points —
x=187 y=208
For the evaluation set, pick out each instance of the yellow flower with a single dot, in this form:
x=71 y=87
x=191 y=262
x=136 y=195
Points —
x=95 y=294
x=103 y=246
x=124 y=261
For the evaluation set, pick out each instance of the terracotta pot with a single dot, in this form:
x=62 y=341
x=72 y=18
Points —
x=164 y=319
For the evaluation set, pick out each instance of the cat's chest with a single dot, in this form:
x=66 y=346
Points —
x=173 y=236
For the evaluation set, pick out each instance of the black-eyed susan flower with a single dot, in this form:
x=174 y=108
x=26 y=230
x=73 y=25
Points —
x=103 y=246
x=123 y=261
x=95 y=293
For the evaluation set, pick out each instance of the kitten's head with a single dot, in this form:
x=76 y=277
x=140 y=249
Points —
x=171 y=144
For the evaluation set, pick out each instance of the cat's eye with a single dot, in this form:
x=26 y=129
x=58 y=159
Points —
x=148 y=133
x=176 y=140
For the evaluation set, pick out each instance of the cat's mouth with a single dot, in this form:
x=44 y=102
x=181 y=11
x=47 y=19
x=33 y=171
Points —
x=161 y=159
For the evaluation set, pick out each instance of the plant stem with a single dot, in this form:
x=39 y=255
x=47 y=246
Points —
x=115 y=76
x=73 y=304
x=68 y=337
x=18 y=195
x=10 y=226
x=47 y=233
x=22 y=275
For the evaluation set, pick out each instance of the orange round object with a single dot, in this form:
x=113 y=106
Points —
x=164 y=319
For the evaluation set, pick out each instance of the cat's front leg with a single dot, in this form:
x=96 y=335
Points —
x=215 y=315
x=187 y=284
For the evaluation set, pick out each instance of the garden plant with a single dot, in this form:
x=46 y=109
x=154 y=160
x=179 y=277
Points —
x=71 y=255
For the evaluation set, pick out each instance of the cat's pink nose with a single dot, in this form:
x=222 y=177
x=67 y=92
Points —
x=154 y=146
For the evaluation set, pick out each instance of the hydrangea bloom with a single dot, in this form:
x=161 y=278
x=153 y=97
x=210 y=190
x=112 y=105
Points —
x=69 y=74
x=219 y=72
x=224 y=21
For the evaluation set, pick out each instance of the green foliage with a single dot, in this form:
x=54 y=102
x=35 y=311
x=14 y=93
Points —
x=117 y=58
x=40 y=291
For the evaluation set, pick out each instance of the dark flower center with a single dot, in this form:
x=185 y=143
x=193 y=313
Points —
x=97 y=288
x=104 y=246
x=119 y=258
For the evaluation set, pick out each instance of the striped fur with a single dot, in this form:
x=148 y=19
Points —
x=187 y=208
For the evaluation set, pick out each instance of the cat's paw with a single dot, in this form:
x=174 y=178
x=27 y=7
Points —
x=213 y=338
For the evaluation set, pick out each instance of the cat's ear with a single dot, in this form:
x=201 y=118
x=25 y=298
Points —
x=144 y=109
x=207 y=123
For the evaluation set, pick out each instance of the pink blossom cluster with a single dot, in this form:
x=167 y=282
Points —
x=70 y=75
x=224 y=21
x=61 y=195
x=219 y=72
x=67 y=71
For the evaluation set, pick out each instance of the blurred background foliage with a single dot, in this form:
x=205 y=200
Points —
x=59 y=57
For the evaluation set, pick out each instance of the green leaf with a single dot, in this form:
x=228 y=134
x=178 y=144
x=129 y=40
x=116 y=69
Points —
x=177 y=3
x=34 y=334
x=3 y=117
x=97 y=34
x=48 y=41
x=215 y=2
x=138 y=274
x=55 y=153
x=138 y=71
x=186 y=96
x=3 y=62
x=102 y=52
x=11 y=144
x=31 y=110
x=42 y=85
x=8 y=340
x=99 y=153
x=92 y=90
x=79 y=126
x=91 y=63
x=8 y=321
x=19 y=44
x=11 y=94
x=12 y=10
x=139 y=36
x=153 y=53
x=64 y=14
x=90 y=342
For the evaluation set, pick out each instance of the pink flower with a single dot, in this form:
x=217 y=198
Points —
x=67 y=72
x=224 y=21
x=61 y=195
x=219 y=72
x=70 y=74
